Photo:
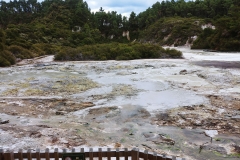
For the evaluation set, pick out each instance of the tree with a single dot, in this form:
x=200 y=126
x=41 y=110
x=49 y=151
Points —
x=133 y=22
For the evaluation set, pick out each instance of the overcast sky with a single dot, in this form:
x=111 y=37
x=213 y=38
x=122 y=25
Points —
x=125 y=7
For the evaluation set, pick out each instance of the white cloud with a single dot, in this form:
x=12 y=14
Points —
x=125 y=7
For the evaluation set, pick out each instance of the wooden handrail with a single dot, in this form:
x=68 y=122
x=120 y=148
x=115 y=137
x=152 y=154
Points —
x=135 y=154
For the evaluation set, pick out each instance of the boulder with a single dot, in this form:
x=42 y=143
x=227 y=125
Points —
x=211 y=133
x=4 y=121
x=183 y=72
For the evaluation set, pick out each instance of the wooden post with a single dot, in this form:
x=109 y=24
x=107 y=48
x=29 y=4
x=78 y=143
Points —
x=82 y=150
x=150 y=156
x=117 y=154
x=154 y=156
x=164 y=157
x=160 y=157
x=1 y=154
x=29 y=154
x=73 y=150
x=64 y=150
x=168 y=158
x=126 y=153
x=99 y=153
x=135 y=154
x=38 y=154
x=91 y=154
x=109 y=154
x=8 y=155
x=47 y=154
x=56 y=155
x=20 y=154
x=145 y=155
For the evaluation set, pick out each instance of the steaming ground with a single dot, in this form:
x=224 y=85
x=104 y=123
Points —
x=163 y=105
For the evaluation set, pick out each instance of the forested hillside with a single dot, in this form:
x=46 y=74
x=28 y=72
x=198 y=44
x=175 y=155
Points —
x=30 y=28
x=216 y=23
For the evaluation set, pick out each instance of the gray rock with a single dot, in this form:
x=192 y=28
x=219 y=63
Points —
x=188 y=107
x=215 y=148
x=165 y=140
x=148 y=135
x=147 y=65
x=4 y=121
x=211 y=133
x=236 y=118
x=163 y=116
x=236 y=148
x=201 y=76
x=61 y=112
x=197 y=122
x=183 y=72
x=24 y=121
x=182 y=115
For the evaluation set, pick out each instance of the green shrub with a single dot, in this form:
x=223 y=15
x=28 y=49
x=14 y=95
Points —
x=2 y=40
x=37 y=51
x=61 y=56
x=20 y=52
x=121 y=57
x=6 y=58
x=46 y=48
x=173 y=53
x=233 y=44
x=203 y=39
x=2 y=46
x=69 y=54
x=9 y=56
x=88 y=41
x=147 y=50
x=4 y=62
x=116 y=51
x=22 y=43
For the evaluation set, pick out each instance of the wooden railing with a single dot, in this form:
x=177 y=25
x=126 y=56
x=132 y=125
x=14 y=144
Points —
x=117 y=154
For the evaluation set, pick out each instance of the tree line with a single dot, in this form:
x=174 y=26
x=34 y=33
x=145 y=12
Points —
x=30 y=28
x=212 y=9
x=77 y=13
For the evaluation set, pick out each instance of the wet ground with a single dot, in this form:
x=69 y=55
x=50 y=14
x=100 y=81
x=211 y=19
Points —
x=188 y=107
x=218 y=64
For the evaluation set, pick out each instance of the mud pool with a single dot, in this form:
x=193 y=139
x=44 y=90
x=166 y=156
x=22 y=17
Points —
x=163 y=105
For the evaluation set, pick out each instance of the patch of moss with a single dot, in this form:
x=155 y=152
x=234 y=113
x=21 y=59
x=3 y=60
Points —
x=33 y=92
x=11 y=92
